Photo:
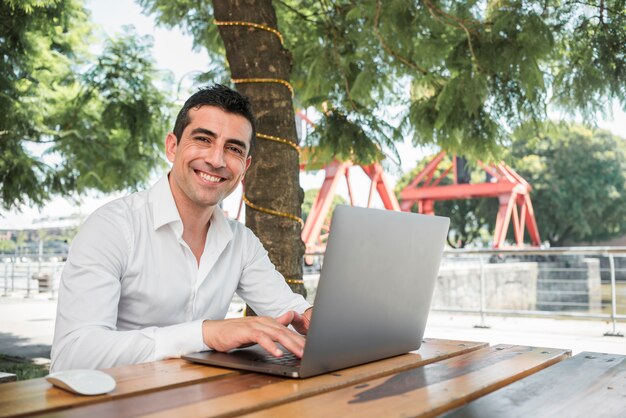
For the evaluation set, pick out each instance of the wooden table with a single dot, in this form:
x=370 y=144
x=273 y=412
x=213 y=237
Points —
x=586 y=385
x=441 y=376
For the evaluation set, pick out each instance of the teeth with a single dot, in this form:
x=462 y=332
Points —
x=210 y=178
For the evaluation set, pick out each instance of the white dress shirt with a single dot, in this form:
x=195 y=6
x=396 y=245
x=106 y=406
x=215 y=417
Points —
x=132 y=291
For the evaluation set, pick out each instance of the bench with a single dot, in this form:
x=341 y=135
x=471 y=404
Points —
x=7 y=377
x=586 y=385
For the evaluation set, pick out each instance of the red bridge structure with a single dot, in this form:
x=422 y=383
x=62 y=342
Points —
x=315 y=229
x=512 y=191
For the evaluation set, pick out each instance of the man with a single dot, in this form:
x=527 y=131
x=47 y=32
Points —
x=151 y=275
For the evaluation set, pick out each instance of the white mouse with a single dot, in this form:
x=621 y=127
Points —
x=83 y=382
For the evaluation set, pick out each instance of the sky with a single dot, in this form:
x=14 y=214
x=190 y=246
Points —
x=173 y=51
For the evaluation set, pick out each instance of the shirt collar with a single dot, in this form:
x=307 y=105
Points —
x=164 y=211
x=220 y=224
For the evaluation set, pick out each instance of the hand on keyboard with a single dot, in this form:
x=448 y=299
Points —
x=228 y=334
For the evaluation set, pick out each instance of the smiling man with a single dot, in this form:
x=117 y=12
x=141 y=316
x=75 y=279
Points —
x=151 y=275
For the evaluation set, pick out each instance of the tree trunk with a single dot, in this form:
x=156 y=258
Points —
x=272 y=181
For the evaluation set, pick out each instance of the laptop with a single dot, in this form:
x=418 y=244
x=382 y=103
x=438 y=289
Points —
x=373 y=296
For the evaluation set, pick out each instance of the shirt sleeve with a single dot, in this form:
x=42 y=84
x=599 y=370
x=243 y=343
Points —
x=262 y=287
x=86 y=334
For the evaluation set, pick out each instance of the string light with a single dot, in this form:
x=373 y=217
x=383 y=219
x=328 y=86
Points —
x=253 y=25
x=266 y=136
x=272 y=211
x=278 y=139
x=264 y=80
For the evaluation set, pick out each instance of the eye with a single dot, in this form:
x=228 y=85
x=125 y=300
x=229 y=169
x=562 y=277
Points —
x=202 y=138
x=235 y=149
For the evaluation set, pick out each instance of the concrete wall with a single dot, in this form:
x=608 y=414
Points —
x=507 y=285
x=555 y=285
x=569 y=284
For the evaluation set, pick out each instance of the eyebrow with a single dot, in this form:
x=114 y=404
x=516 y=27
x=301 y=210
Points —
x=212 y=134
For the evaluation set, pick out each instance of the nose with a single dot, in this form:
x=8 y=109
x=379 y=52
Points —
x=215 y=157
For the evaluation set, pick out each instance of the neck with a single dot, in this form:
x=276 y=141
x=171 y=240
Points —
x=196 y=220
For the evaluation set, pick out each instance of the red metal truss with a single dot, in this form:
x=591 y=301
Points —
x=512 y=191
x=312 y=233
x=336 y=171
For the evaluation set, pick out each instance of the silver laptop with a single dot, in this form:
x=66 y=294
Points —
x=373 y=295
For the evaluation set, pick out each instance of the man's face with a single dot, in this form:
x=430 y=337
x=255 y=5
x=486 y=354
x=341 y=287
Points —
x=211 y=157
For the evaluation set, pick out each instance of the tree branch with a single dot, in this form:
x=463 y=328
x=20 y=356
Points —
x=461 y=24
x=298 y=12
x=405 y=61
x=602 y=6
x=333 y=31
x=41 y=141
x=602 y=11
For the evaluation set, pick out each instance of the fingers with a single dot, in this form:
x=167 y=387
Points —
x=294 y=345
x=269 y=345
x=233 y=333
x=279 y=332
x=301 y=321
x=286 y=318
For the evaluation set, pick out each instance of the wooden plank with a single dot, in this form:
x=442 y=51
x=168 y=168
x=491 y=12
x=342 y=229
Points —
x=7 y=377
x=37 y=395
x=426 y=391
x=586 y=385
x=234 y=395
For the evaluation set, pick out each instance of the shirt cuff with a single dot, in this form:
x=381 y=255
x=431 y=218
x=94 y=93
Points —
x=178 y=340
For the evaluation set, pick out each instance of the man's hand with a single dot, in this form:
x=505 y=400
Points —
x=228 y=334
x=301 y=322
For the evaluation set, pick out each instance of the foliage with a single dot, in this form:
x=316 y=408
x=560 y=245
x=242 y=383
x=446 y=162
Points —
x=7 y=246
x=471 y=220
x=67 y=124
x=462 y=75
x=579 y=181
x=23 y=368
x=121 y=115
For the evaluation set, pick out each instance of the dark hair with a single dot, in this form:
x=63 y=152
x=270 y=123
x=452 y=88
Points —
x=219 y=96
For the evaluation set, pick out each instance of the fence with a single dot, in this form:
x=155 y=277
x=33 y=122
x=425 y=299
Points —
x=29 y=274
x=573 y=282
x=578 y=282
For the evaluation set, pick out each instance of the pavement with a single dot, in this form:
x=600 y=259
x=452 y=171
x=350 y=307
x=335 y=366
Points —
x=576 y=335
x=27 y=329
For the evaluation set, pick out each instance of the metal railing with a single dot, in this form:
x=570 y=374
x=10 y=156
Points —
x=574 y=287
x=28 y=274
x=567 y=282
x=574 y=282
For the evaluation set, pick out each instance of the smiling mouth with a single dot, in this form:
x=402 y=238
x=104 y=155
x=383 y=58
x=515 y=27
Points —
x=209 y=178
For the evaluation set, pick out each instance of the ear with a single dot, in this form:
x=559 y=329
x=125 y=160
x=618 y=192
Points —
x=170 y=147
x=248 y=161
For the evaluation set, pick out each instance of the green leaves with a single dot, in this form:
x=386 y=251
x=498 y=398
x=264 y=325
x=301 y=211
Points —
x=120 y=114
x=579 y=181
x=194 y=17
x=66 y=125
x=463 y=74
x=338 y=136
x=592 y=63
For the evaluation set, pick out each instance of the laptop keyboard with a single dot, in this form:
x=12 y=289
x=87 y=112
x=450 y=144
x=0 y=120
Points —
x=287 y=359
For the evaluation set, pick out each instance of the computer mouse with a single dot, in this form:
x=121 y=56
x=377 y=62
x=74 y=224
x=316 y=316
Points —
x=83 y=382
